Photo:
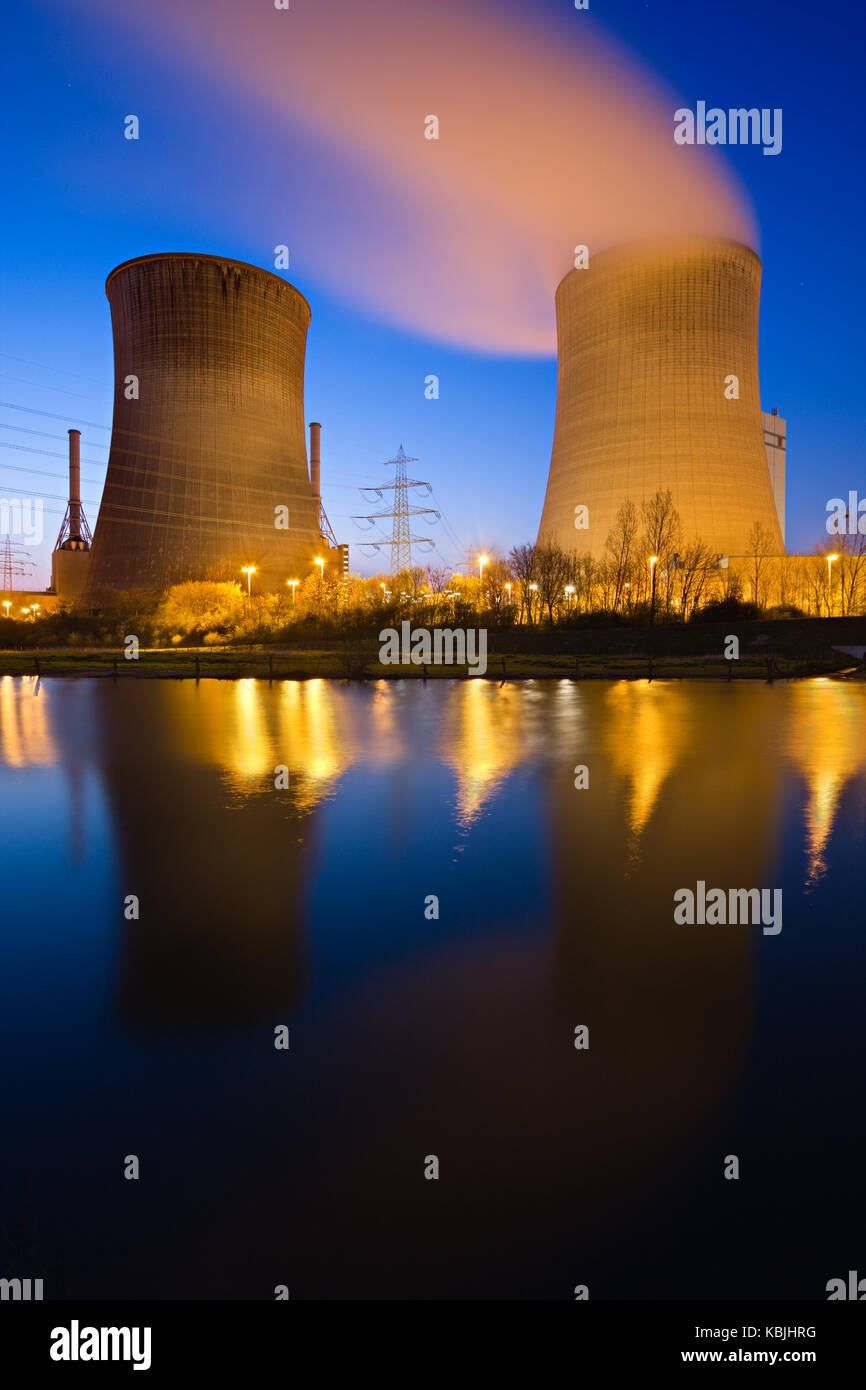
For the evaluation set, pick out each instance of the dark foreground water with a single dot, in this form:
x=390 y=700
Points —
x=412 y=1036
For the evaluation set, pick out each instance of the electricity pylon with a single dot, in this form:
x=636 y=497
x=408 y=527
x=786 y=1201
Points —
x=402 y=540
x=16 y=561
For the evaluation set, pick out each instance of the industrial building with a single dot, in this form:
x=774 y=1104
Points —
x=207 y=471
x=775 y=444
x=657 y=389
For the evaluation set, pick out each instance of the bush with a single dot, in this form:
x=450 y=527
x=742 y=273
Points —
x=726 y=609
x=200 y=607
x=786 y=610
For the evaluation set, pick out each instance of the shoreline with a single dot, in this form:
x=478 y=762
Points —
x=324 y=664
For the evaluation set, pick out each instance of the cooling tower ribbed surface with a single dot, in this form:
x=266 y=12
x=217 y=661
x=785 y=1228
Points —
x=215 y=441
x=647 y=336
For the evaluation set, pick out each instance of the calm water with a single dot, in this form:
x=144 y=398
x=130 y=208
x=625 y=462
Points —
x=412 y=1037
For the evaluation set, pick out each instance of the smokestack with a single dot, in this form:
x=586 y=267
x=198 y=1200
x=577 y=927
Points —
x=75 y=485
x=316 y=459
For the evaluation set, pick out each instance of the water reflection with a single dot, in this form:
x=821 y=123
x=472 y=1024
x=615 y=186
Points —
x=487 y=731
x=684 y=780
x=646 y=734
x=305 y=906
x=825 y=739
x=25 y=729
x=220 y=942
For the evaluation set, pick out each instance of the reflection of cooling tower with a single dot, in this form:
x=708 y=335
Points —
x=208 y=433
x=647 y=336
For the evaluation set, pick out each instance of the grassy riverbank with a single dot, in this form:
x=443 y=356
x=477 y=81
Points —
x=787 y=649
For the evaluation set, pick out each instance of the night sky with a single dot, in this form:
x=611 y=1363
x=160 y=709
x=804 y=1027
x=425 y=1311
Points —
x=409 y=274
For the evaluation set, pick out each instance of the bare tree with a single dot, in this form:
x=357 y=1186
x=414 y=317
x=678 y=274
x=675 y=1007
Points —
x=496 y=577
x=436 y=578
x=620 y=546
x=554 y=568
x=694 y=571
x=522 y=562
x=852 y=571
x=758 y=547
x=661 y=522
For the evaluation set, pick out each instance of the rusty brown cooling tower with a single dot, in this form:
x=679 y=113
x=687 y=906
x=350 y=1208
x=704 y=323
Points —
x=208 y=452
x=647 y=337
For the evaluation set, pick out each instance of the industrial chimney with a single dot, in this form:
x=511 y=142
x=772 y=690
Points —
x=71 y=559
x=316 y=459
x=74 y=486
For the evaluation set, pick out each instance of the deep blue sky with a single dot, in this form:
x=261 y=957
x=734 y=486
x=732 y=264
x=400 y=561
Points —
x=485 y=444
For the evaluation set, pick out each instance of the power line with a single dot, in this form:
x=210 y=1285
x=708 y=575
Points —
x=30 y=492
x=45 y=434
x=49 y=415
x=45 y=386
x=62 y=371
x=47 y=453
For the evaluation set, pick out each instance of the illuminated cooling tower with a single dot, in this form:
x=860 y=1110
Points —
x=208 y=439
x=647 y=337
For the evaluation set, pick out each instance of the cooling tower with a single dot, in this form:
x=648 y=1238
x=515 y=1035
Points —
x=207 y=471
x=648 y=338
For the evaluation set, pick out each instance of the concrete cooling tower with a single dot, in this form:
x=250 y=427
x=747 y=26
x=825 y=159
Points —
x=207 y=441
x=648 y=336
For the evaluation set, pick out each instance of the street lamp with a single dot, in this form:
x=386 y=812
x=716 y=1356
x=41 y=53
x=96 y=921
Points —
x=320 y=562
x=569 y=589
x=830 y=559
x=482 y=561
x=24 y=612
x=508 y=587
x=249 y=571
x=34 y=608
x=653 y=563
x=294 y=585
x=7 y=605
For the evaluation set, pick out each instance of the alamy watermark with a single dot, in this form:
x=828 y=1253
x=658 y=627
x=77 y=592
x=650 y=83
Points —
x=737 y=126
x=22 y=517
x=76 y=1343
x=21 y=1290
x=847 y=520
x=441 y=647
x=717 y=907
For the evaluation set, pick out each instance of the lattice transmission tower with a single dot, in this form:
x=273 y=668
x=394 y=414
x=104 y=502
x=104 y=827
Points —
x=16 y=561
x=402 y=540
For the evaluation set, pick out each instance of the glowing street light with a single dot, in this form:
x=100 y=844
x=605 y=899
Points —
x=830 y=559
x=249 y=571
x=320 y=562
x=482 y=561
x=384 y=590
x=7 y=605
x=569 y=589
x=653 y=561
x=508 y=587
x=34 y=608
x=294 y=585
x=24 y=612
